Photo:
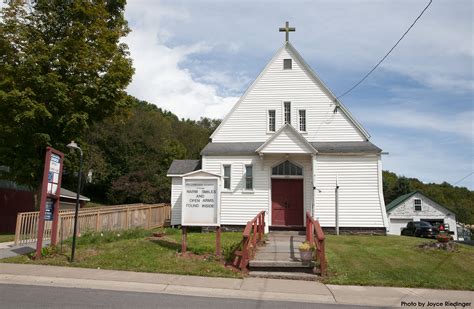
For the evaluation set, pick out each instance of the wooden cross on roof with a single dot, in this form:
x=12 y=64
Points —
x=287 y=29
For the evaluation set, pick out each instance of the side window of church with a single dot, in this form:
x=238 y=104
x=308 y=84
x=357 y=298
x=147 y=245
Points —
x=287 y=112
x=271 y=120
x=287 y=64
x=227 y=177
x=248 y=177
x=302 y=116
x=417 y=203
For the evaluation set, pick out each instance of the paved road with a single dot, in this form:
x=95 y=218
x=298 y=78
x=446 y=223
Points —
x=27 y=296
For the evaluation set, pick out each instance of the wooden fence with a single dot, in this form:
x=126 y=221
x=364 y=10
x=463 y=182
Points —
x=110 y=218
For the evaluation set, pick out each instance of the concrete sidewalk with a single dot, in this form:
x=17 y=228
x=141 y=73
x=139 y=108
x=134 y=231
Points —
x=8 y=249
x=247 y=288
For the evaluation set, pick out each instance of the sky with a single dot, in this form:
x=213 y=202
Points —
x=196 y=58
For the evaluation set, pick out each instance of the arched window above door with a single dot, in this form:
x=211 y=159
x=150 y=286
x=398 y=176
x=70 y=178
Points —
x=287 y=169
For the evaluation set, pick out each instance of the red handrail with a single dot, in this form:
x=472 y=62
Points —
x=315 y=234
x=251 y=237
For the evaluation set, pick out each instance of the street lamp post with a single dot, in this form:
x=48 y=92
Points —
x=72 y=145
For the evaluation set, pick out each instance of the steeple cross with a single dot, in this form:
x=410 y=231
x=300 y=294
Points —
x=287 y=29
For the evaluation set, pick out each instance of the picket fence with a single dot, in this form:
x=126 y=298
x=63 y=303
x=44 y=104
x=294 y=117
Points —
x=100 y=219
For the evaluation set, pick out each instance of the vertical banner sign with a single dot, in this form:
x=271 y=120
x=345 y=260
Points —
x=50 y=195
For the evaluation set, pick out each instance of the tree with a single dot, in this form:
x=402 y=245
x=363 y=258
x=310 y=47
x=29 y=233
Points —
x=62 y=68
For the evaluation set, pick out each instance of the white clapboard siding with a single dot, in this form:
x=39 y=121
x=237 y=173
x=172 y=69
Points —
x=360 y=203
x=176 y=200
x=286 y=141
x=248 y=120
x=238 y=205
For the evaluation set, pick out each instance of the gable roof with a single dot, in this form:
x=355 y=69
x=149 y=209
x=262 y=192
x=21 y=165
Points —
x=181 y=167
x=311 y=74
x=402 y=198
x=290 y=128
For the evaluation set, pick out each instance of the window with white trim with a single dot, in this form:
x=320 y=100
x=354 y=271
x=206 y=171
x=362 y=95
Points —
x=248 y=177
x=227 y=177
x=271 y=120
x=417 y=203
x=287 y=112
x=287 y=64
x=302 y=118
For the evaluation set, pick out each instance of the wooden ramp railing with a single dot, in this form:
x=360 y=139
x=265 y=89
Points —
x=109 y=218
x=252 y=236
x=315 y=234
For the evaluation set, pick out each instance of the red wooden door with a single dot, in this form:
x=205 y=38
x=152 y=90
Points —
x=287 y=202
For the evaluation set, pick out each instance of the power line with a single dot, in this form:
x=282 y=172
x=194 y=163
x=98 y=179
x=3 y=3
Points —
x=386 y=55
x=463 y=178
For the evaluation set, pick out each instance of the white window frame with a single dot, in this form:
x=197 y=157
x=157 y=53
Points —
x=414 y=204
x=245 y=176
x=283 y=112
x=305 y=121
x=224 y=177
x=291 y=64
x=268 y=120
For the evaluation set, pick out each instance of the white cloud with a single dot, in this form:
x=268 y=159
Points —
x=159 y=79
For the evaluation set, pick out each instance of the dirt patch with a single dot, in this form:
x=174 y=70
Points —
x=449 y=246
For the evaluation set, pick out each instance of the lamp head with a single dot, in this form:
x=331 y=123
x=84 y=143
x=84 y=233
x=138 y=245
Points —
x=72 y=145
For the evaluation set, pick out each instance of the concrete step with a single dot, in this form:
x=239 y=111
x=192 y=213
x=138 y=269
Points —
x=278 y=256
x=287 y=233
x=293 y=239
x=284 y=275
x=280 y=247
x=279 y=264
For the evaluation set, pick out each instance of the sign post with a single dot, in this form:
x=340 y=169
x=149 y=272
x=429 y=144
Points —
x=200 y=205
x=50 y=195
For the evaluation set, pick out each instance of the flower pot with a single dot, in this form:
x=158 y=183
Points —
x=443 y=239
x=306 y=256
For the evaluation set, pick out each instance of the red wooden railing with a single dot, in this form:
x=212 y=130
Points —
x=315 y=234
x=252 y=236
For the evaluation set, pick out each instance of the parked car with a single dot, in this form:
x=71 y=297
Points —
x=420 y=229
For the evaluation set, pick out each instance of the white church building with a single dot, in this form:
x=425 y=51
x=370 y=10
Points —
x=282 y=148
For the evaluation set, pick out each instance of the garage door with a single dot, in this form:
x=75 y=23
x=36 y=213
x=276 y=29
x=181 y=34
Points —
x=396 y=226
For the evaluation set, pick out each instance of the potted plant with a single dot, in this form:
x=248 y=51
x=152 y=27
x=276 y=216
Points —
x=306 y=251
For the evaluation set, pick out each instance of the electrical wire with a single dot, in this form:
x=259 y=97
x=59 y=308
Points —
x=386 y=55
x=463 y=178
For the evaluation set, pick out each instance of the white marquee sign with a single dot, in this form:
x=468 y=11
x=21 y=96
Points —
x=200 y=201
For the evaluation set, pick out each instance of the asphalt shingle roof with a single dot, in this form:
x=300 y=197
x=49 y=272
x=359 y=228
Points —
x=249 y=148
x=181 y=167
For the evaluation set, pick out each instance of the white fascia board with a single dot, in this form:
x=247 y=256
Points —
x=200 y=171
x=318 y=80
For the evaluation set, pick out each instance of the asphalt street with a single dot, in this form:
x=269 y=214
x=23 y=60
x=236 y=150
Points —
x=29 y=296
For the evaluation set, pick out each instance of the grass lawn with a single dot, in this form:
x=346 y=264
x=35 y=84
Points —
x=397 y=261
x=133 y=251
x=7 y=237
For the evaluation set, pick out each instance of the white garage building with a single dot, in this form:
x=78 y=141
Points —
x=416 y=206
